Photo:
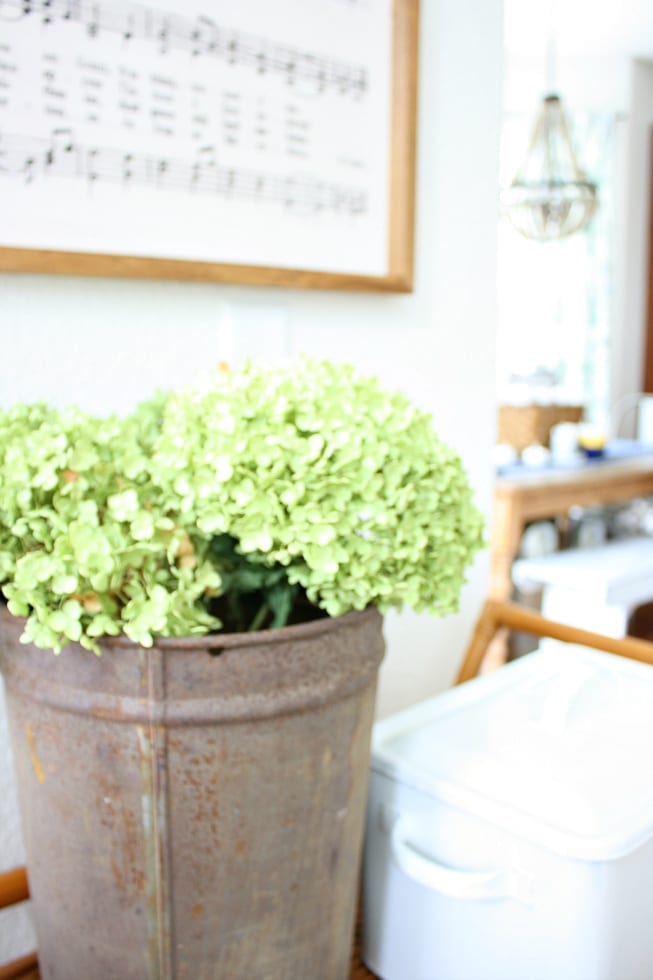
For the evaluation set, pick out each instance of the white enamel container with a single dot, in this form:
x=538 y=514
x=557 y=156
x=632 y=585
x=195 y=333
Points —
x=510 y=827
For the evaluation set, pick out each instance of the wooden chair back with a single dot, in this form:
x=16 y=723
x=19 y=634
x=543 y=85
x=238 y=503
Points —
x=496 y=616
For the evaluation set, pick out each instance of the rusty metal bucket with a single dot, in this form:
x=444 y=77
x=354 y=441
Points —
x=195 y=816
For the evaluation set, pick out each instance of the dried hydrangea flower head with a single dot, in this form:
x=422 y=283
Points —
x=230 y=505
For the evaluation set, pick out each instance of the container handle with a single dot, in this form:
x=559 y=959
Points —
x=485 y=885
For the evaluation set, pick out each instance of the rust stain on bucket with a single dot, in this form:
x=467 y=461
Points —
x=36 y=762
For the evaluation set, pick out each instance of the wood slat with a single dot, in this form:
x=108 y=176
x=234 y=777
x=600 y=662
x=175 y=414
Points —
x=358 y=969
x=24 y=968
x=496 y=615
x=13 y=887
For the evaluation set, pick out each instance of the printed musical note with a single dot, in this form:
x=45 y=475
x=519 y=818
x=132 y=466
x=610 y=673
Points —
x=92 y=20
x=91 y=171
x=163 y=35
x=262 y=61
x=130 y=27
x=72 y=10
x=205 y=36
x=61 y=154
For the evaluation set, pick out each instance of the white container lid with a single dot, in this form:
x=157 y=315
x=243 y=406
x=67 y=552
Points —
x=618 y=572
x=556 y=747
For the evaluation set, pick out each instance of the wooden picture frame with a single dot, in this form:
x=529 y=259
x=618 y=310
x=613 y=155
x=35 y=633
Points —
x=396 y=276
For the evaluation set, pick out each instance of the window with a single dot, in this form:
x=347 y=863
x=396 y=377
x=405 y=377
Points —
x=556 y=298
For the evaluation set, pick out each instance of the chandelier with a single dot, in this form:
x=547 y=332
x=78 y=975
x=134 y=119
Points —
x=550 y=196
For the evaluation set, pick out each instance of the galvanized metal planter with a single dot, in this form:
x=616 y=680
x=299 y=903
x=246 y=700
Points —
x=195 y=816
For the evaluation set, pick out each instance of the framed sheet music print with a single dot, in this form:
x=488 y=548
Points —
x=260 y=141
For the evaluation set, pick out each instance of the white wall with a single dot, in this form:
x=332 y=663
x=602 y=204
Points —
x=106 y=343
x=588 y=83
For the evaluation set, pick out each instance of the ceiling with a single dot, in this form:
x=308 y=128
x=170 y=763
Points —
x=610 y=28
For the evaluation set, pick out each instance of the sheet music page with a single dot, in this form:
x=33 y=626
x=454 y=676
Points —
x=254 y=132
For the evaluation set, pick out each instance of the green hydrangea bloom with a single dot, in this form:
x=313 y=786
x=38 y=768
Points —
x=267 y=483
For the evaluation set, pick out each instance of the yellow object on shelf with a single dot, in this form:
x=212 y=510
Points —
x=591 y=440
